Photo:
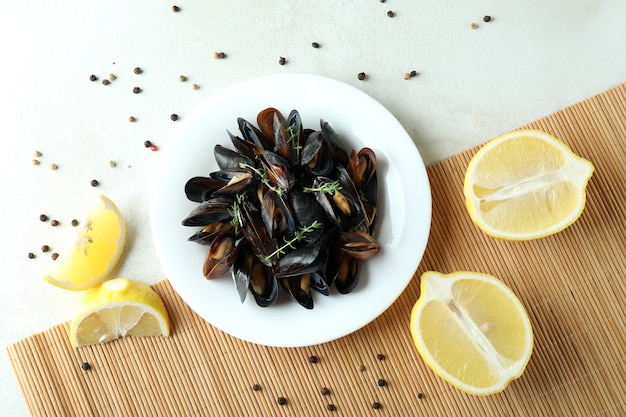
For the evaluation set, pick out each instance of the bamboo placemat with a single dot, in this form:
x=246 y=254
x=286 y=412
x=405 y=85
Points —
x=572 y=284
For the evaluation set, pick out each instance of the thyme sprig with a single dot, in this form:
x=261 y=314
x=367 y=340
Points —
x=298 y=236
x=263 y=177
x=234 y=211
x=292 y=137
x=325 y=187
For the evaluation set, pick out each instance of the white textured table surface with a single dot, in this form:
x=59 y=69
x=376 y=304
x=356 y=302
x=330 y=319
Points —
x=532 y=58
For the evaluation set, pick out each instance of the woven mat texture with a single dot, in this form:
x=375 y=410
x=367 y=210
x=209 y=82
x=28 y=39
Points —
x=572 y=284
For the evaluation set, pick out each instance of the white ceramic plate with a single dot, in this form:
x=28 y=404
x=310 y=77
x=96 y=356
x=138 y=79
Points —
x=402 y=230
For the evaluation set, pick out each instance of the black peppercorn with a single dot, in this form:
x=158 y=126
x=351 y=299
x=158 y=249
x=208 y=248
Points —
x=281 y=401
x=390 y=13
x=75 y=222
x=256 y=387
x=420 y=395
x=324 y=391
x=312 y=359
x=45 y=248
x=330 y=407
x=315 y=45
x=380 y=357
x=93 y=77
x=55 y=256
x=54 y=223
x=43 y=217
x=175 y=9
x=137 y=90
x=137 y=70
x=106 y=82
x=381 y=382
x=376 y=405
x=85 y=366
x=361 y=76
x=94 y=183
x=282 y=60
x=147 y=144
x=174 y=117
x=487 y=18
x=31 y=255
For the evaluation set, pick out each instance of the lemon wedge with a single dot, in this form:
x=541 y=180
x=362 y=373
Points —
x=99 y=244
x=471 y=330
x=525 y=185
x=119 y=307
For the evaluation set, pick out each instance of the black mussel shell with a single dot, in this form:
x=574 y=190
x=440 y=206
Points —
x=227 y=158
x=214 y=209
x=199 y=189
x=252 y=134
x=299 y=289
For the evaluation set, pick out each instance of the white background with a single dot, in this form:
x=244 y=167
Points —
x=534 y=57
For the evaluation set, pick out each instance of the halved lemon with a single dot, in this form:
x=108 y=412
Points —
x=99 y=244
x=471 y=330
x=119 y=307
x=524 y=185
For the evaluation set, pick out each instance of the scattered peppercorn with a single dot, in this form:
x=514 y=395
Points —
x=382 y=1
x=312 y=359
x=175 y=9
x=85 y=366
x=55 y=256
x=94 y=183
x=31 y=255
x=147 y=144
x=35 y=162
x=154 y=148
x=37 y=154
x=195 y=86
x=132 y=119
x=486 y=18
x=112 y=164
x=376 y=405
x=137 y=90
x=43 y=217
x=413 y=73
x=281 y=401
x=361 y=76
x=93 y=77
x=219 y=55
x=106 y=82
x=75 y=222
x=406 y=75
x=45 y=248
x=112 y=77
x=182 y=78
x=390 y=13
x=380 y=357
x=381 y=382
x=473 y=25
x=324 y=391
x=137 y=70
x=315 y=45
x=361 y=368
x=54 y=222
x=330 y=407
x=174 y=117
x=282 y=60
x=420 y=395
x=256 y=387
x=54 y=167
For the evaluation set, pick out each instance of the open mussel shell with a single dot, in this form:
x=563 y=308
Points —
x=278 y=169
x=263 y=285
x=255 y=232
x=359 y=245
x=252 y=134
x=220 y=256
x=227 y=158
x=234 y=180
x=302 y=260
x=217 y=208
x=316 y=155
x=199 y=189
x=345 y=271
x=362 y=170
x=332 y=138
x=299 y=289
x=206 y=235
x=245 y=147
x=278 y=216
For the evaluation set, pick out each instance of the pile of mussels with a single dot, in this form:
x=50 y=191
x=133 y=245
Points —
x=289 y=208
